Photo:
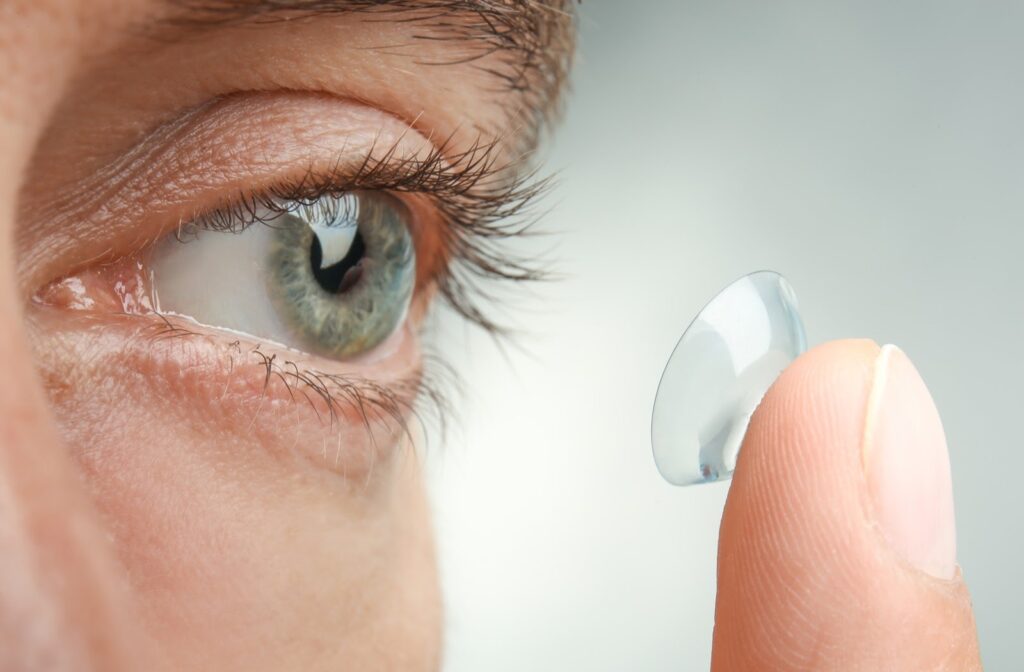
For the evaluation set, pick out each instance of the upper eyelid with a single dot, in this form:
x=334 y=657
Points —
x=484 y=190
x=189 y=164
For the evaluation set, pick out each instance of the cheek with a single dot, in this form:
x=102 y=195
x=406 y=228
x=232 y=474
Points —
x=243 y=560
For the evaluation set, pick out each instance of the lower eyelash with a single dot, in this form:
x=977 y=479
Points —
x=422 y=397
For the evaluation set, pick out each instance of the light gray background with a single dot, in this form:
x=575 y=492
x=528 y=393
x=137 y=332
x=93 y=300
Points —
x=870 y=151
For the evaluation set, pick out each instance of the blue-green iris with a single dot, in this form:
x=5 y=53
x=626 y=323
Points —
x=342 y=271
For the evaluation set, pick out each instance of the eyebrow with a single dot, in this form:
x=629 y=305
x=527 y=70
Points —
x=526 y=45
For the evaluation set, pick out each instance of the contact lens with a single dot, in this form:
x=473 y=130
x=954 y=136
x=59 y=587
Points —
x=717 y=374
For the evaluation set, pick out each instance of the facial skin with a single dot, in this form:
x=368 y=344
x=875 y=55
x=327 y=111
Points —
x=207 y=506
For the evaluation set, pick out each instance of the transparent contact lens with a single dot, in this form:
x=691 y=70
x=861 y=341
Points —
x=720 y=369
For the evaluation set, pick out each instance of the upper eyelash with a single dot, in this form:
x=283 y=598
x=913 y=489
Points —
x=481 y=201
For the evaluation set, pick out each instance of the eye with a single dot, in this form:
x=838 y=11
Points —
x=332 y=276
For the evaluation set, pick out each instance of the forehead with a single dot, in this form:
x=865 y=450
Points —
x=478 y=68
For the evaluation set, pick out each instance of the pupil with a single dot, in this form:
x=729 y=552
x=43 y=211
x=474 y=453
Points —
x=343 y=275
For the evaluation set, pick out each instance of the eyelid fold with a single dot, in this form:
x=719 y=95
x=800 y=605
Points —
x=207 y=158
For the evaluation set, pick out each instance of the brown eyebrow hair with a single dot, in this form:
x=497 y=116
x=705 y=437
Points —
x=526 y=45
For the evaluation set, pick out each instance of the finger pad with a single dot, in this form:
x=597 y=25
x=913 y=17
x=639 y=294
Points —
x=803 y=581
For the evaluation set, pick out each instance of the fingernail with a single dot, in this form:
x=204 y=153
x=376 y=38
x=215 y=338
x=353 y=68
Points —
x=907 y=466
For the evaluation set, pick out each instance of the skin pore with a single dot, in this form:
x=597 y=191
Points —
x=234 y=505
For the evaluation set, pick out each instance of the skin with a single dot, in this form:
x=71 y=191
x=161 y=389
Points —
x=805 y=579
x=162 y=507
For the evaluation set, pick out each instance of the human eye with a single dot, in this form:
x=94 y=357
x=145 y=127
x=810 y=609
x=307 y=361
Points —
x=305 y=286
x=332 y=276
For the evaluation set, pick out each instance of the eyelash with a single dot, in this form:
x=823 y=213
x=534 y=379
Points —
x=424 y=396
x=480 y=204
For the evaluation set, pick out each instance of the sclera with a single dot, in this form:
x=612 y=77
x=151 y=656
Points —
x=718 y=373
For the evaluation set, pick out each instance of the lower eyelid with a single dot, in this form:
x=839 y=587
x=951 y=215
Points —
x=291 y=405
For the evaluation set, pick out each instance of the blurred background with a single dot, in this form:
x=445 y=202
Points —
x=870 y=151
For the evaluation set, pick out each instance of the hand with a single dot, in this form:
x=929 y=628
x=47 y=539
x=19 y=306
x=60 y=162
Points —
x=838 y=543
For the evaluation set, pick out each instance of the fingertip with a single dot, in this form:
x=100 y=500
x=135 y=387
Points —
x=805 y=579
x=819 y=400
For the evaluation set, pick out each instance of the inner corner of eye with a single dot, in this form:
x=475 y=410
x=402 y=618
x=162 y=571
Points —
x=118 y=287
x=332 y=275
